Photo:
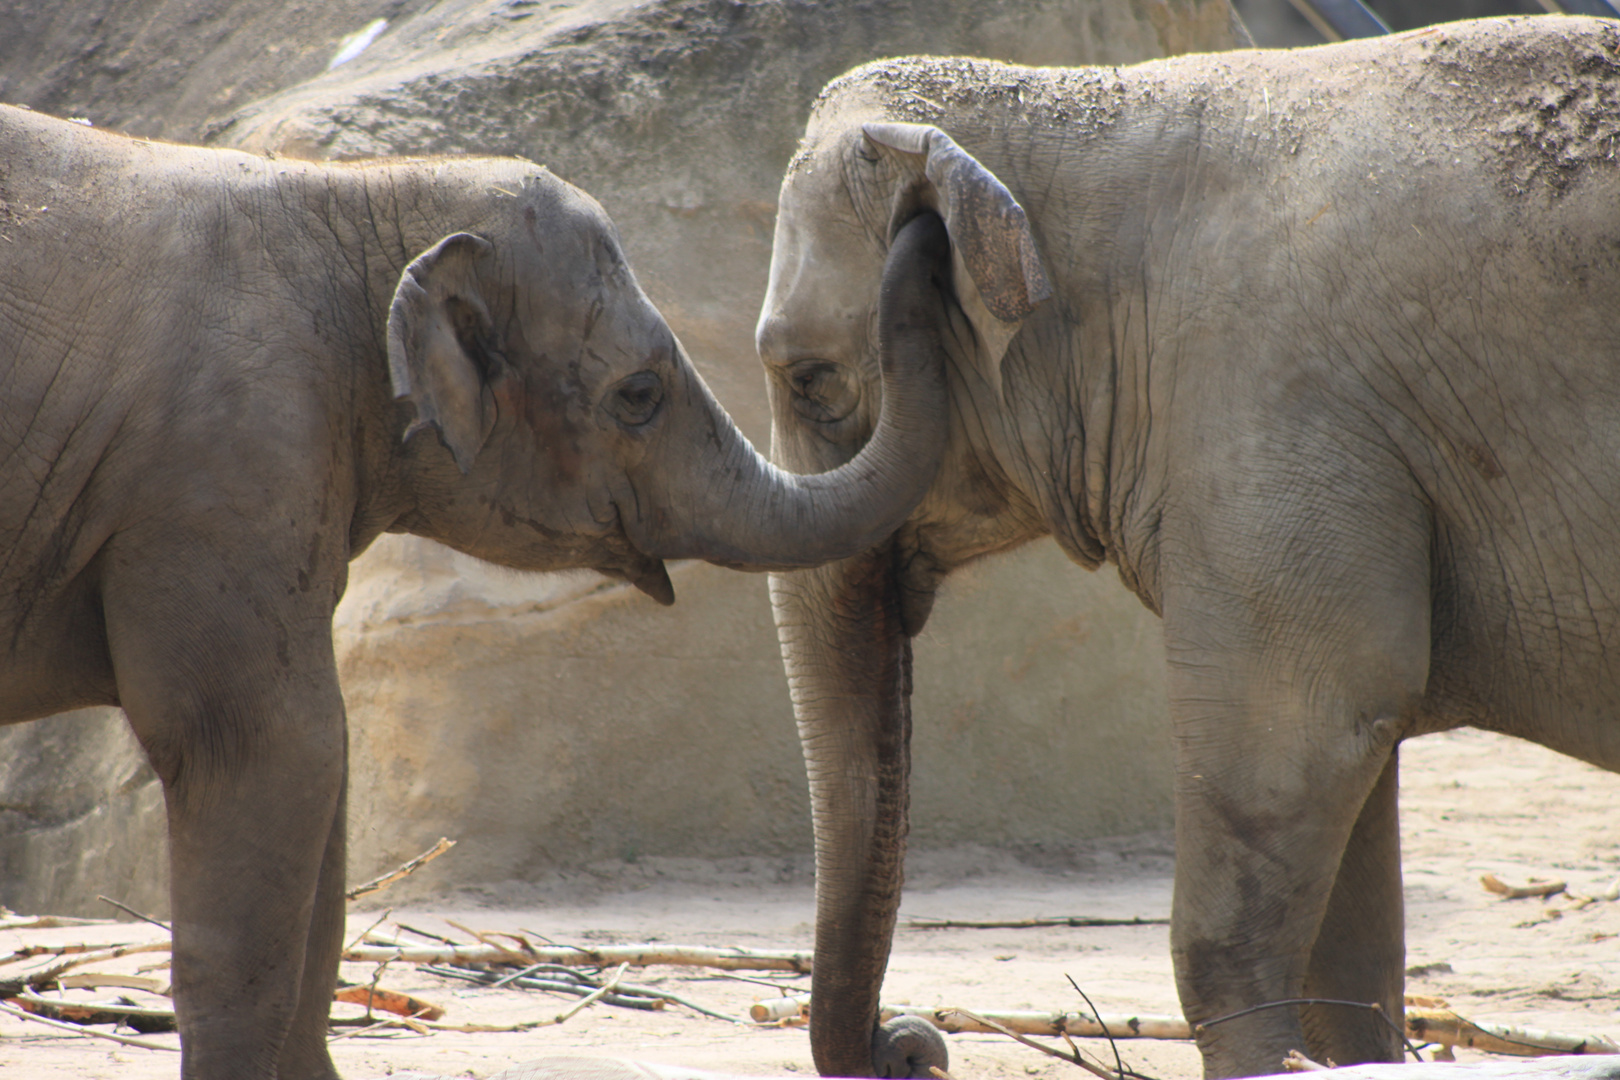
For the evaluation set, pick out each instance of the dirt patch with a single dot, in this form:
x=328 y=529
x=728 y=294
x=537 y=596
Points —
x=1558 y=109
x=1473 y=803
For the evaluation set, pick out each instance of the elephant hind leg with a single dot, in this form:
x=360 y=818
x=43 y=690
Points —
x=1360 y=951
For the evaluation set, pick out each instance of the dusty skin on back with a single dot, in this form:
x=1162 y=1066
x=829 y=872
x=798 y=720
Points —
x=224 y=376
x=1319 y=350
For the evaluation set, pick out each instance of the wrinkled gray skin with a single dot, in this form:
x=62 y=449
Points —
x=1320 y=350
x=217 y=373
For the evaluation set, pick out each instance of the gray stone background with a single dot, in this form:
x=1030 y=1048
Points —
x=555 y=722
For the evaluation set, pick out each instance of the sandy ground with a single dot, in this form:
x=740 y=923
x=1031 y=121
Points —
x=1472 y=804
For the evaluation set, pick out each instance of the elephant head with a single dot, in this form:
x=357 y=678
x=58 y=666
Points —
x=856 y=198
x=574 y=432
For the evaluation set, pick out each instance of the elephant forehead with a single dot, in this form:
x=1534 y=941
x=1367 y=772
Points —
x=823 y=286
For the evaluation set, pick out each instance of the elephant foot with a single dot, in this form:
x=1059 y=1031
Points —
x=908 y=1046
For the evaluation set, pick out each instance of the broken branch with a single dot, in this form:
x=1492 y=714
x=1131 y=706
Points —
x=388 y=1001
x=381 y=883
x=75 y=1030
x=924 y=922
x=605 y=956
x=1446 y=1027
x=1496 y=885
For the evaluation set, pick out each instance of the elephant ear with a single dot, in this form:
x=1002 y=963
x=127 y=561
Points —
x=435 y=325
x=998 y=269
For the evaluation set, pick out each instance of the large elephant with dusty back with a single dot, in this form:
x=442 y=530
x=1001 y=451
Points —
x=1319 y=350
x=224 y=376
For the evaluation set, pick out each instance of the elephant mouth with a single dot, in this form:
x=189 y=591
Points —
x=646 y=572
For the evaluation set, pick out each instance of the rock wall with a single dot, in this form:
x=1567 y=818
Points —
x=552 y=722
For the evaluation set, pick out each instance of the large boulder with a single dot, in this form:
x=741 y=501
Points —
x=553 y=722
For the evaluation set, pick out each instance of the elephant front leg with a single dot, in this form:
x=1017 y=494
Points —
x=1360 y=951
x=1261 y=862
x=236 y=702
x=1290 y=687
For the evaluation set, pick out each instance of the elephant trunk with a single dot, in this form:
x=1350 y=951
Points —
x=708 y=494
x=848 y=663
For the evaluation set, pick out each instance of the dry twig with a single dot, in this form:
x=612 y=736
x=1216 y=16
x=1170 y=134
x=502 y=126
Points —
x=75 y=1030
x=924 y=922
x=604 y=956
x=1076 y=1058
x=1496 y=885
x=381 y=883
x=146 y=1021
x=121 y=906
x=388 y=1001
x=1294 y=1061
x=1440 y=1025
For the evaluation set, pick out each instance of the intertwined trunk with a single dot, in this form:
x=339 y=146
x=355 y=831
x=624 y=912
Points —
x=704 y=492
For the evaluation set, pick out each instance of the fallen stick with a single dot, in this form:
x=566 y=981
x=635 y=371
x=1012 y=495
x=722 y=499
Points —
x=605 y=956
x=1446 y=1027
x=1501 y=888
x=144 y=1020
x=924 y=922
x=141 y=915
x=28 y=952
x=1430 y=1025
x=94 y=981
x=12 y=921
x=775 y=1010
x=1074 y=1057
x=75 y=1030
x=591 y=998
x=625 y=999
x=381 y=883
x=388 y=1001
x=1119 y=1026
x=48 y=976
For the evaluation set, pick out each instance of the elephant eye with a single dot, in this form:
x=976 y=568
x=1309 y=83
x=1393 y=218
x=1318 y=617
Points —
x=634 y=400
x=823 y=392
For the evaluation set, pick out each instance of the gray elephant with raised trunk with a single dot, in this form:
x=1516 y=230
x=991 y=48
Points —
x=1321 y=351
x=213 y=368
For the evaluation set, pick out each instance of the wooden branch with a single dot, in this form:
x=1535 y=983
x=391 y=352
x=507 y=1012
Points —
x=1076 y=1059
x=146 y=1021
x=603 y=956
x=1423 y=1024
x=94 y=981
x=141 y=915
x=12 y=921
x=381 y=883
x=28 y=952
x=388 y=1001
x=1446 y=1027
x=775 y=1010
x=591 y=998
x=1296 y=1062
x=924 y=922
x=1139 y=1026
x=75 y=1030
x=48 y=976
x=1496 y=885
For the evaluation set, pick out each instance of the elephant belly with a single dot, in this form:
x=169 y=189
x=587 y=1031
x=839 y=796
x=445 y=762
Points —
x=1521 y=645
x=55 y=656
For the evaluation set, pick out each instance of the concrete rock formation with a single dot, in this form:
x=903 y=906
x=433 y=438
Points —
x=555 y=722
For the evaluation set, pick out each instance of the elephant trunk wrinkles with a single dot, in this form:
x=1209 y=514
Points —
x=718 y=499
x=848 y=663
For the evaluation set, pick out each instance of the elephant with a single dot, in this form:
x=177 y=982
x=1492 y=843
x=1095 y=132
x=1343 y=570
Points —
x=1318 y=349
x=225 y=375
